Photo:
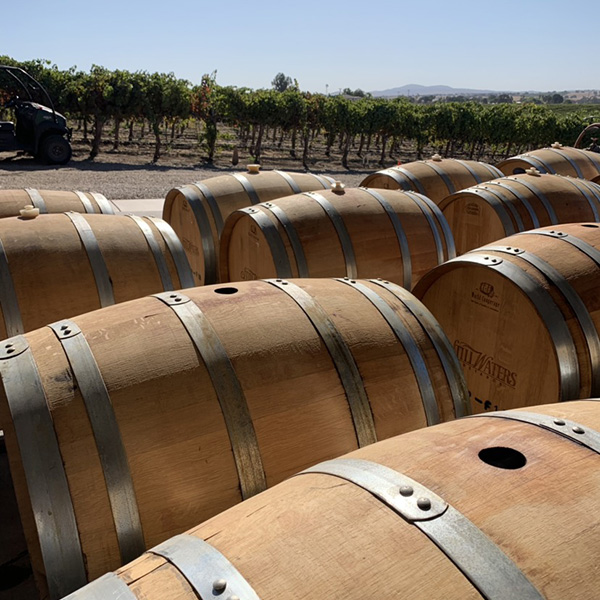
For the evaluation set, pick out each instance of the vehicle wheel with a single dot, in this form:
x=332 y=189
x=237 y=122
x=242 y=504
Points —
x=55 y=150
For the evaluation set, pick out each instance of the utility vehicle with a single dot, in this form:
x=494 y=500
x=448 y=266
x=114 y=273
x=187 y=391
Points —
x=39 y=130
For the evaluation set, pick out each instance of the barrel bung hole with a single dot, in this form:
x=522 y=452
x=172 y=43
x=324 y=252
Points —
x=590 y=225
x=518 y=171
x=226 y=290
x=503 y=458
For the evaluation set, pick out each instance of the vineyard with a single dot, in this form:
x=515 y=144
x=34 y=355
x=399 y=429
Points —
x=160 y=113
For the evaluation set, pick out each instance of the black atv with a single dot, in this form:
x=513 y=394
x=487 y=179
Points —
x=39 y=130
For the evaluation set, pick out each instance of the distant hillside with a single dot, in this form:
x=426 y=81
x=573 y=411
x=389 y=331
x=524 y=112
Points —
x=430 y=90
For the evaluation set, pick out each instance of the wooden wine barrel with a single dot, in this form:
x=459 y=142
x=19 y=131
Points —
x=501 y=506
x=557 y=159
x=435 y=178
x=61 y=265
x=198 y=211
x=505 y=206
x=155 y=413
x=53 y=201
x=357 y=232
x=523 y=315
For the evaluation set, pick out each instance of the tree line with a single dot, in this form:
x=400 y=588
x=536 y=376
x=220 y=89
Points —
x=362 y=125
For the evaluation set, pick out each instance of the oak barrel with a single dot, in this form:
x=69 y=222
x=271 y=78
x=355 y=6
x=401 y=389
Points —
x=557 y=159
x=355 y=232
x=53 y=201
x=159 y=412
x=60 y=265
x=198 y=211
x=501 y=506
x=508 y=205
x=523 y=315
x=435 y=178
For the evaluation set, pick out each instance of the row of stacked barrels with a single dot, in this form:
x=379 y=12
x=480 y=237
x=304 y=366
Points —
x=127 y=426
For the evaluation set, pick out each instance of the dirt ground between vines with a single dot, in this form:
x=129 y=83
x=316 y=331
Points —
x=129 y=173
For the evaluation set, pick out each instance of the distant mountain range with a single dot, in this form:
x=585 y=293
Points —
x=432 y=90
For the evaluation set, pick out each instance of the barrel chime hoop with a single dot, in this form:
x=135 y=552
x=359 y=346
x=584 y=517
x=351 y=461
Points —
x=524 y=201
x=44 y=471
x=208 y=246
x=424 y=383
x=512 y=209
x=550 y=314
x=107 y=587
x=213 y=205
x=228 y=390
x=445 y=352
x=341 y=356
x=498 y=207
x=398 y=178
x=400 y=236
x=482 y=562
x=290 y=181
x=414 y=181
x=582 y=186
x=248 y=187
x=580 y=434
x=542 y=197
x=494 y=171
x=538 y=164
x=105 y=206
x=342 y=232
x=587 y=249
x=182 y=265
x=111 y=450
x=292 y=234
x=441 y=219
x=594 y=188
x=37 y=200
x=280 y=256
x=208 y=572
x=94 y=254
x=472 y=171
x=443 y=175
x=325 y=181
x=8 y=298
x=568 y=159
x=425 y=207
x=85 y=201
x=159 y=257
x=591 y=156
x=573 y=300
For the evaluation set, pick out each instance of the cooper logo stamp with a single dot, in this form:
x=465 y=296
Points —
x=485 y=295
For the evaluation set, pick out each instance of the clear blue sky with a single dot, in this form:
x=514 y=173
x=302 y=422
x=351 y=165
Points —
x=512 y=45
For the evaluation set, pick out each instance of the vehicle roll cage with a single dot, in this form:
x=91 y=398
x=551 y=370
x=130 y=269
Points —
x=28 y=85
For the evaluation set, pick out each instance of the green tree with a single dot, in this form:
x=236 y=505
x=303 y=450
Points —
x=281 y=82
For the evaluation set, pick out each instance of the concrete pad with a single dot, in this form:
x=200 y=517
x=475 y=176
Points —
x=151 y=207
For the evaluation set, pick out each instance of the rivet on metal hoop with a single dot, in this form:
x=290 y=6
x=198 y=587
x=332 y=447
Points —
x=424 y=503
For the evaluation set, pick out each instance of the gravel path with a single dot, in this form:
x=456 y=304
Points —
x=123 y=178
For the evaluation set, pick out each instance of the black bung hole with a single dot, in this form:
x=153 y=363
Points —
x=589 y=225
x=226 y=290
x=503 y=458
x=518 y=171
